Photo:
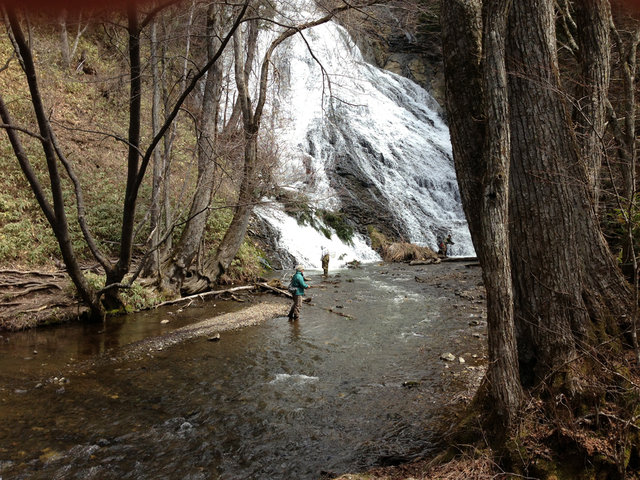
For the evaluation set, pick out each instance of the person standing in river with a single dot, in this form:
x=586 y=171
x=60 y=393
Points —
x=297 y=281
x=447 y=242
x=324 y=258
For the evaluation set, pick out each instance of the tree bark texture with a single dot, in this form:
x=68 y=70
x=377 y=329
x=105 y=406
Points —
x=473 y=45
x=564 y=275
x=565 y=282
x=593 y=19
x=624 y=129
x=502 y=373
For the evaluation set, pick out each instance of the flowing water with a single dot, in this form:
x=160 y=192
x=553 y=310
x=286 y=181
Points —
x=356 y=382
x=358 y=140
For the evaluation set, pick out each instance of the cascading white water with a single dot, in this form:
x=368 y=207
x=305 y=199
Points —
x=342 y=118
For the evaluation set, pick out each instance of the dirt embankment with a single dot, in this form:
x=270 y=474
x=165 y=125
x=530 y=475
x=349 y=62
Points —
x=30 y=299
x=33 y=298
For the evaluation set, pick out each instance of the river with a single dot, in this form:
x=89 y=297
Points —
x=357 y=382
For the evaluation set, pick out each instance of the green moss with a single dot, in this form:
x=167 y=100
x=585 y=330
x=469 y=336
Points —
x=324 y=221
x=339 y=224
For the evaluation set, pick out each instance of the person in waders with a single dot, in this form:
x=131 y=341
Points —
x=297 y=282
x=324 y=258
x=448 y=241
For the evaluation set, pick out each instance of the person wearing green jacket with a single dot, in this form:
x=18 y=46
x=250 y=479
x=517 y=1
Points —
x=299 y=283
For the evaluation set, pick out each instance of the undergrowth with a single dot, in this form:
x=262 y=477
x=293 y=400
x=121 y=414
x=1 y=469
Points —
x=86 y=112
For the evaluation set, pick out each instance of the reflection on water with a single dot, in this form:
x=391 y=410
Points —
x=276 y=401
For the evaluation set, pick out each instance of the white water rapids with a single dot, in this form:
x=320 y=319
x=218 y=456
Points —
x=340 y=118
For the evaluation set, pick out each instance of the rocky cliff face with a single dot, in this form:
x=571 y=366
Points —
x=407 y=44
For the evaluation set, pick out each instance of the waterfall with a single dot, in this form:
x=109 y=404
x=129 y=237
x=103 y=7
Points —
x=361 y=141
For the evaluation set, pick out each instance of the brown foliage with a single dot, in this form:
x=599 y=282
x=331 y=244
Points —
x=406 y=252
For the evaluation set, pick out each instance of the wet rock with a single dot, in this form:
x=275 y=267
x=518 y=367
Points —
x=448 y=357
x=410 y=384
x=461 y=360
x=392 y=460
x=164 y=321
x=83 y=451
x=215 y=338
x=185 y=427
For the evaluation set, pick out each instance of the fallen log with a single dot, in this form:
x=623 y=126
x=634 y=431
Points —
x=204 y=295
x=429 y=261
x=274 y=289
x=459 y=259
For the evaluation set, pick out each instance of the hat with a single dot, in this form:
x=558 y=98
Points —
x=299 y=268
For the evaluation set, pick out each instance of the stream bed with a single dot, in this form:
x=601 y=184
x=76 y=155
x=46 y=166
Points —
x=357 y=382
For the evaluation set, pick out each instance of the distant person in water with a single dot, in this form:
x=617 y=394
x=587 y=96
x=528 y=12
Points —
x=297 y=281
x=324 y=258
x=442 y=248
x=447 y=242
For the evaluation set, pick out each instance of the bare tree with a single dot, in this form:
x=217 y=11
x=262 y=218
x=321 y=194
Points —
x=56 y=213
x=191 y=238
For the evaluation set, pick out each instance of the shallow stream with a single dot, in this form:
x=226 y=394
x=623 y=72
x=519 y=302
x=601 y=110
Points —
x=357 y=382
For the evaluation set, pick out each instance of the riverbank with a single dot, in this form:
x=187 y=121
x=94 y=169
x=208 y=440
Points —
x=33 y=298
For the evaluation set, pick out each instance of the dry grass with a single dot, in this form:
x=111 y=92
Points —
x=406 y=252
x=464 y=467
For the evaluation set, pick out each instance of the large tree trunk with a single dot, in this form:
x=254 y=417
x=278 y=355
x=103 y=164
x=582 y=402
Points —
x=593 y=19
x=564 y=276
x=565 y=282
x=193 y=233
x=502 y=374
x=476 y=78
x=152 y=263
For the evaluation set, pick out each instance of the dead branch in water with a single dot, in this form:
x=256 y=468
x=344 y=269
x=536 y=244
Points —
x=274 y=289
x=202 y=296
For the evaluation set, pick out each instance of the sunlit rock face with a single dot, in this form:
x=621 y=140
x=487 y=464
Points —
x=361 y=141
